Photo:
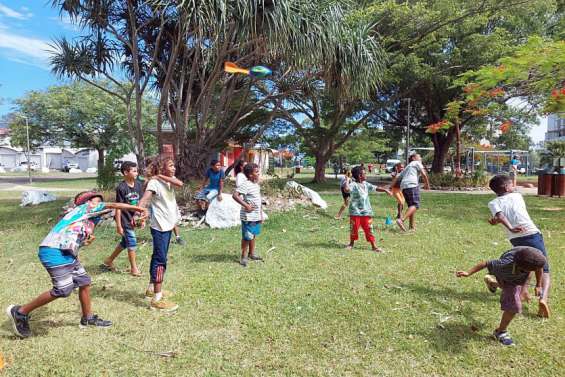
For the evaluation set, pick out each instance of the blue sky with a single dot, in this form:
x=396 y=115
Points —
x=27 y=27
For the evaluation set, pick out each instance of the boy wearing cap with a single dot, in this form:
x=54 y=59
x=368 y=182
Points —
x=511 y=270
x=58 y=253
x=509 y=209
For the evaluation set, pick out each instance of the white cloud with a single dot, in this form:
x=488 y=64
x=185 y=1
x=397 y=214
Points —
x=9 y=12
x=65 y=22
x=32 y=51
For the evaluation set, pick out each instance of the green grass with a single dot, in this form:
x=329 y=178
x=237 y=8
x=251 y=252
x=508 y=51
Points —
x=312 y=309
x=70 y=183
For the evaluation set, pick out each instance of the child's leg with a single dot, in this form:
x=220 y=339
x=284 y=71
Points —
x=342 y=208
x=158 y=266
x=43 y=299
x=252 y=247
x=507 y=317
x=412 y=220
x=110 y=260
x=354 y=224
x=176 y=230
x=245 y=246
x=399 y=208
x=132 y=262
x=367 y=224
x=85 y=302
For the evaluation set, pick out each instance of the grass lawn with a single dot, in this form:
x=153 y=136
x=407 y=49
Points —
x=78 y=184
x=312 y=309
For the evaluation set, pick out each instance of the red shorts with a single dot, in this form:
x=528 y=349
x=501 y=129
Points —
x=365 y=222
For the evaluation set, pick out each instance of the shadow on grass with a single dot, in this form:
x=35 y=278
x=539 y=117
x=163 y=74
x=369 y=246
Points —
x=135 y=298
x=41 y=321
x=323 y=244
x=215 y=258
x=452 y=336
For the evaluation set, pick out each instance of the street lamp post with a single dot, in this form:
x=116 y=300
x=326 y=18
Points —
x=407 y=146
x=28 y=149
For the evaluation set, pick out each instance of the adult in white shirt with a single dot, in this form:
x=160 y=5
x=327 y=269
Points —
x=410 y=186
x=239 y=175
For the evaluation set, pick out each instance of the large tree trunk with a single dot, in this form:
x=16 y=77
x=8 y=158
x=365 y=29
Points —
x=441 y=147
x=320 y=166
x=193 y=161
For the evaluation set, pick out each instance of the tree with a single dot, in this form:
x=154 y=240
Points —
x=78 y=113
x=112 y=49
x=430 y=43
x=327 y=108
x=205 y=106
x=362 y=147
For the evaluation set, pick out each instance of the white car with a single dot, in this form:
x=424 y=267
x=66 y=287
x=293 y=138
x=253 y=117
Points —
x=33 y=166
x=69 y=165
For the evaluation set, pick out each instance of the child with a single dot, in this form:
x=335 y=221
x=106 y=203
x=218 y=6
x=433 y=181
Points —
x=509 y=209
x=410 y=186
x=396 y=191
x=239 y=176
x=129 y=191
x=511 y=271
x=215 y=179
x=346 y=195
x=160 y=196
x=360 y=211
x=58 y=253
x=248 y=195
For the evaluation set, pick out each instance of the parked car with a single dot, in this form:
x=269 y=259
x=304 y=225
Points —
x=33 y=166
x=389 y=167
x=69 y=165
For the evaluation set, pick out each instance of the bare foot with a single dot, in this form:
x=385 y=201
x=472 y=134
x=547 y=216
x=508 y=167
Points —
x=525 y=297
x=378 y=250
x=400 y=224
x=337 y=217
x=349 y=247
x=135 y=272
x=543 y=309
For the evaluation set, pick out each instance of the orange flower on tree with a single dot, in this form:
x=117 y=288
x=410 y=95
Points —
x=496 y=92
x=435 y=127
x=505 y=127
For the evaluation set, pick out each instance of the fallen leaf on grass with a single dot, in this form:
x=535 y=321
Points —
x=553 y=209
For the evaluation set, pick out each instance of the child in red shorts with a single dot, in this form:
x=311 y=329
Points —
x=511 y=270
x=360 y=211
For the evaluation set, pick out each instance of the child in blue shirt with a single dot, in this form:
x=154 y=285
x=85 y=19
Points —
x=212 y=185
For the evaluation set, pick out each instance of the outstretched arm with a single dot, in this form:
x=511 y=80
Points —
x=124 y=206
x=382 y=189
x=477 y=268
x=426 y=179
x=172 y=180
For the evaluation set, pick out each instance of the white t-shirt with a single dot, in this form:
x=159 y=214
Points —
x=164 y=210
x=239 y=179
x=343 y=180
x=514 y=209
x=409 y=175
x=251 y=193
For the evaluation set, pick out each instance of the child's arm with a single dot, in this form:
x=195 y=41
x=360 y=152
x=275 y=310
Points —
x=382 y=189
x=172 y=180
x=118 y=218
x=237 y=197
x=346 y=187
x=499 y=218
x=146 y=199
x=124 y=206
x=426 y=179
x=477 y=268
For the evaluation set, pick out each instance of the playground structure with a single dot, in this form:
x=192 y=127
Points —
x=491 y=161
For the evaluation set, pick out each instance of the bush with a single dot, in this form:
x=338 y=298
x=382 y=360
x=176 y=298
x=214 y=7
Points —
x=106 y=179
x=450 y=182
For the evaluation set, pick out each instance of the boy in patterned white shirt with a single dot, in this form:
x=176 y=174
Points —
x=248 y=195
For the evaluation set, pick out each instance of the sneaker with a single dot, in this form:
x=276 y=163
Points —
x=243 y=262
x=503 y=337
x=151 y=294
x=94 y=320
x=180 y=241
x=20 y=322
x=255 y=257
x=491 y=283
x=163 y=305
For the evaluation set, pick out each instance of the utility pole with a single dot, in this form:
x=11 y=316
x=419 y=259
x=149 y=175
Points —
x=28 y=149
x=407 y=146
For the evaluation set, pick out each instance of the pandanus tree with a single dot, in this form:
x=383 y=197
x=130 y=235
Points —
x=329 y=106
x=208 y=107
x=111 y=49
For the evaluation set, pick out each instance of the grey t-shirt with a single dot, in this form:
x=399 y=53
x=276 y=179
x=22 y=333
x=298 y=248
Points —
x=505 y=270
x=409 y=175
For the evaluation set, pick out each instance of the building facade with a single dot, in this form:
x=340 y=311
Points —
x=555 y=128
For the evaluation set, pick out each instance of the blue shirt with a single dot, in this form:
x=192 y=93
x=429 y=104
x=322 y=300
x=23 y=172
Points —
x=215 y=178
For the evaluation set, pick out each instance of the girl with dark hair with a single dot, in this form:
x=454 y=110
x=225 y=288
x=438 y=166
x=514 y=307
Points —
x=239 y=175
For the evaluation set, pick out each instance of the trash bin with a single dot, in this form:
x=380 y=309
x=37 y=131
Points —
x=297 y=169
x=540 y=184
x=547 y=184
x=558 y=185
